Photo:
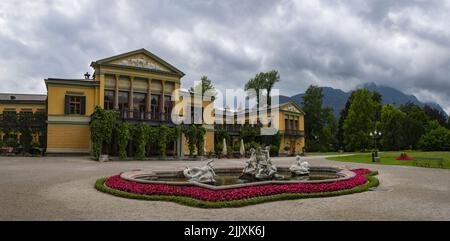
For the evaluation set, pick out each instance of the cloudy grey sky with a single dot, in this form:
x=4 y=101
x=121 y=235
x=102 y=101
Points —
x=403 y=44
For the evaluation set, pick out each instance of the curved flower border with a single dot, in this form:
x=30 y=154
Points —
x=200 y=197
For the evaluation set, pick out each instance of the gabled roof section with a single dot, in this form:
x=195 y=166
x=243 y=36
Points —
x=291 y=106
x=142 y=59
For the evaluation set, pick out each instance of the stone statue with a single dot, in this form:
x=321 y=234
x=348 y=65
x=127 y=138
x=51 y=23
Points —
x=203 y=174
x=299 y=167
x=251 y=164
x=259 y=166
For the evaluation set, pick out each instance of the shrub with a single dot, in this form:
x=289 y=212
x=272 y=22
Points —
x=274 y=150
x=437 y=139
x=35 y=143
x=251 y=145
x=11 y=142
x=218 y=148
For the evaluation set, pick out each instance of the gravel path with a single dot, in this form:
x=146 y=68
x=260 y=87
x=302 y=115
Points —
x=61 y=188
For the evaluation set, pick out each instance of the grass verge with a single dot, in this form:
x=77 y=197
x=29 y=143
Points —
x=388 y=158
x=100 y=185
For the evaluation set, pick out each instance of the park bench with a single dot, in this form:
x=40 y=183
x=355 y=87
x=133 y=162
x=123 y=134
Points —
x=428 y=162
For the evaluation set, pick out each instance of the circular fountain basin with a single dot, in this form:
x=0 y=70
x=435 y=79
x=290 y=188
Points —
x=228 y=178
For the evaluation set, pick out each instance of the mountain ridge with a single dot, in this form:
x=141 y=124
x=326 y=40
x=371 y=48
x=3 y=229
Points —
x=336 y=98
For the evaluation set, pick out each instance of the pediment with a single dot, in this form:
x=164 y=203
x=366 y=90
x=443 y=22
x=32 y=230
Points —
x=141 y=59
x=291 y=107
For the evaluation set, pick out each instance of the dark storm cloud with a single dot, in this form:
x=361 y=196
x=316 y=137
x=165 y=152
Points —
x=403 y=44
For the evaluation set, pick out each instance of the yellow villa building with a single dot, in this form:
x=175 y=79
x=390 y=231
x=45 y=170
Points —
x=143 y=88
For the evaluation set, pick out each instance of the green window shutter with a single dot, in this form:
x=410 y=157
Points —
x=67 y=105
x=83 y=105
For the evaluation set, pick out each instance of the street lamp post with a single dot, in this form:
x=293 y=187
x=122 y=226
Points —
x=375 y=135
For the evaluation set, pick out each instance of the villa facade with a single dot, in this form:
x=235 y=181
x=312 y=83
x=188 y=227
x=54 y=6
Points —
x=143 y=88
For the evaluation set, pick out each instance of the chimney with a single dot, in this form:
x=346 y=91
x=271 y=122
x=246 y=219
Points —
x=87 y=75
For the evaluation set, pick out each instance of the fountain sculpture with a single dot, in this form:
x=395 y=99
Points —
x=299 y=167
x=259 y=166
x=203 y=174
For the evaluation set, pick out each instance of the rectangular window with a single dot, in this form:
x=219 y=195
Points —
x=123 y=100
x=167 y=104
x=75 y=105
x=139 y=101
x=109 y=100
x=139 y=105
x=155 y=103
x=155 y=113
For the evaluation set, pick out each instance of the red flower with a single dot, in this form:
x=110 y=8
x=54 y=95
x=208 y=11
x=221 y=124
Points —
x=115 y=182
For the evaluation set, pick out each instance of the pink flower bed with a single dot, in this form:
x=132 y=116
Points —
x=115 y=182
x=403 y=157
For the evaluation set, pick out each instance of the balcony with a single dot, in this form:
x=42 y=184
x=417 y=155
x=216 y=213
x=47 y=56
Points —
x=294 y=133
x=151 y=117
x=234 y=129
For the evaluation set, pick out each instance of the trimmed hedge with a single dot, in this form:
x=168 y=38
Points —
x=100 y=185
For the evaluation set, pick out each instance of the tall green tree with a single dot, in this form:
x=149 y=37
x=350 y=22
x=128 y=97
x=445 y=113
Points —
x=256 y=84
x=392 y=120
x=435 y=114
x=320 y=125
x=414 y=124
x=204 y=86
x=360 y=121
x=271 y=78
x=262 y=81
x=329 y=132
x=343 y=115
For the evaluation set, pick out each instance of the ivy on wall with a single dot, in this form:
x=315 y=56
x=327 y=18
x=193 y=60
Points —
x=25 y=123
x=124 y=134
x=195 y=138
x=141 y=137
x=103 y=122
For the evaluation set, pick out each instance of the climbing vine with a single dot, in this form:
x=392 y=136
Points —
x=163 y=140
x=103 y=122
x=141 y=137
x=195 y=138
x=124 y=134
x=189 y=133
x=24 y=123
x=200 y=139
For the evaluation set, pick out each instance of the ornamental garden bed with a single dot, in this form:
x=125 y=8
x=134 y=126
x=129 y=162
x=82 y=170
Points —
x=196 y=196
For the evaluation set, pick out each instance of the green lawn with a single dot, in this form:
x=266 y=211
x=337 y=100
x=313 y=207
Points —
x=388 y=158
x=326 y=153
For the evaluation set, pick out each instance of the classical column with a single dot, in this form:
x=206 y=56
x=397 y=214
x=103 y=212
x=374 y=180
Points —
x=148 y=105
x=162 y=100
x=116 y=93
x=131 y=97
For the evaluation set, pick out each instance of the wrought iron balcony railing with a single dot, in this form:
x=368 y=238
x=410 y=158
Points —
x=137 y=115
x=289 y=132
